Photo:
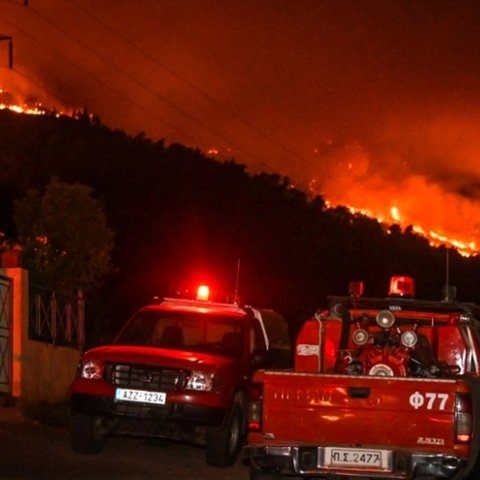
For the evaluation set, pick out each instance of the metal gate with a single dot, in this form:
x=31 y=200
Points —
x=55 y=318
x=6 y=289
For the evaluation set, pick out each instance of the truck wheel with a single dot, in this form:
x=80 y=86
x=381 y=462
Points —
x=88 y=433
x=263 y=474
x=222 y=445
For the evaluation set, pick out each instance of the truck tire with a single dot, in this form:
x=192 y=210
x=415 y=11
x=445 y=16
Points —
x=88 y=433
x=223 y=445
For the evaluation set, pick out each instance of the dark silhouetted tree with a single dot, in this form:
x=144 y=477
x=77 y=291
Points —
x=64 y=235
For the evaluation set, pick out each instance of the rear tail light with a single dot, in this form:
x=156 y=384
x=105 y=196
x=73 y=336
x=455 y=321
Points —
x=254 y=411
x=463 y=418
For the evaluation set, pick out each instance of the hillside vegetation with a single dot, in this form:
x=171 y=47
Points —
x=180 y=217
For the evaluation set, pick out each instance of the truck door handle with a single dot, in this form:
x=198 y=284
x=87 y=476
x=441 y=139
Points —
x=359 y=392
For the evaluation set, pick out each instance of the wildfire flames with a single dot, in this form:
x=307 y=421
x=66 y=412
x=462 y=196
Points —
x=5 y=104
x=8 y=102
x=390 y=215
x=352 y=176
x=378 y=209
x=435 y=239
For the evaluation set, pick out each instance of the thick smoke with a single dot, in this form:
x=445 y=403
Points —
x=426 y=166
x=377 y=101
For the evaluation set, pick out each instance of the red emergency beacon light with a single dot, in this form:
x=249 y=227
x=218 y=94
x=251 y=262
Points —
x=401 y=286
x=355 y=289
x=203 y=292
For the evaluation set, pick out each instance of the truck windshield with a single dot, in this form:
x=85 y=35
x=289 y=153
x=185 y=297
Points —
x=185 y=331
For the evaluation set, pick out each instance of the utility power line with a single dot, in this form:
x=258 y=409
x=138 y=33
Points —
x=126 y=74
x=210 y=98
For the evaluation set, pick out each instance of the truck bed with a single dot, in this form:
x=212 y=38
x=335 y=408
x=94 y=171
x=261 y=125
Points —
x=334 y=408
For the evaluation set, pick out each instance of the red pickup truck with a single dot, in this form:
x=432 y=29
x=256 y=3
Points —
x=179 y=369
x=382 y=388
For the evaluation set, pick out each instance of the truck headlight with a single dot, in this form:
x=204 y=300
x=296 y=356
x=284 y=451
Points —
x=92 y=369
x=202 y=381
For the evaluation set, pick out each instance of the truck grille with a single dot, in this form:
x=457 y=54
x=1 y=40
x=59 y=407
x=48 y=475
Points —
x=146 y=377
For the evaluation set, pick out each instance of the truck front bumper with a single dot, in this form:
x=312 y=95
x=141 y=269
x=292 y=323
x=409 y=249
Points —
x=309 y=461
x=182 y=414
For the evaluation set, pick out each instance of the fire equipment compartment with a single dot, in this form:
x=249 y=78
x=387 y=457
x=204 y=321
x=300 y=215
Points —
x=417 y=343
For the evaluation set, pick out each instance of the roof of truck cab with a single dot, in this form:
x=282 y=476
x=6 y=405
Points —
x=212 y=308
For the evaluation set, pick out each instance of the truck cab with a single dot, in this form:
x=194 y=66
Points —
x=179 y=369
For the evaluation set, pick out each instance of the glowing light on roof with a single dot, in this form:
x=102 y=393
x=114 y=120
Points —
x=203 y=292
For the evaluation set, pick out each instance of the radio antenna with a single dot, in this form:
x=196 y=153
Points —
x=447 y=268
x=236 y=295
x=449 y=291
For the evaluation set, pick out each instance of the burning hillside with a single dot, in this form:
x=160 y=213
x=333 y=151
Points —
x=435 y=238
x=30 y=106
x=399 y=194
x=443 y=218
x=8 y=102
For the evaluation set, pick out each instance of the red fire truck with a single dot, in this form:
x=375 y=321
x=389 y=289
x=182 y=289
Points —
x=179 y=369
x=382 y=388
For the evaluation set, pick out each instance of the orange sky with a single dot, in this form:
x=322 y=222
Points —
x=376 y=99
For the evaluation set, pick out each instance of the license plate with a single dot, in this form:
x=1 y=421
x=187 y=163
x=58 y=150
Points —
x=351 y=457
x=140 y=396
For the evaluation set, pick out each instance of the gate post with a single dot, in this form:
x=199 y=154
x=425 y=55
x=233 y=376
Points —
x=19 y=278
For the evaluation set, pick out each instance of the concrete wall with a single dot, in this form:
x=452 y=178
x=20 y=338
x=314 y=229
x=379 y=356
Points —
x=41 y=372
x=48 y=371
